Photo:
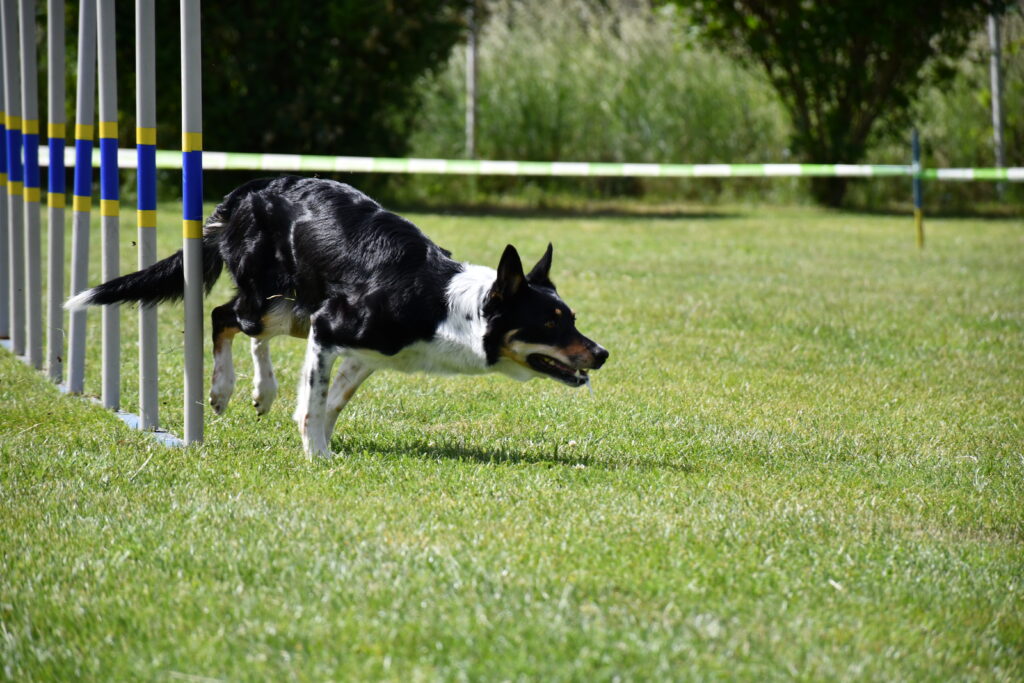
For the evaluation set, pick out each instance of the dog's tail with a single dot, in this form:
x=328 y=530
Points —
x=162 y=281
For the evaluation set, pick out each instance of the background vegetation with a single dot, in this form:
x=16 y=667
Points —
x=618 y=81
x=572 y=80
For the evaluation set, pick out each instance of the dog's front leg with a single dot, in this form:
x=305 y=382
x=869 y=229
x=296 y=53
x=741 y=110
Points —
x=350 y=375
x=312 y=399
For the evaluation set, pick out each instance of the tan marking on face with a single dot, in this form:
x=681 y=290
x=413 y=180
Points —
x=577 y=349
x=558 y=311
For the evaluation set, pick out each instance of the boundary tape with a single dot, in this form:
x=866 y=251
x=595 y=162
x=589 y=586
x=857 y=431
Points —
x=241 y=161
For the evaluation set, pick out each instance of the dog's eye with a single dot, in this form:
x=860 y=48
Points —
x=549 y=324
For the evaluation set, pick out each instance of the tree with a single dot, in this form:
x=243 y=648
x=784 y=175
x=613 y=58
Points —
x=842 y=66
x=313 y=77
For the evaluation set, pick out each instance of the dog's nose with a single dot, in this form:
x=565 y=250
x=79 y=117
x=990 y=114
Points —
x=600 y=356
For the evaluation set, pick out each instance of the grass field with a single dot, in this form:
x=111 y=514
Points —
x=804 y=459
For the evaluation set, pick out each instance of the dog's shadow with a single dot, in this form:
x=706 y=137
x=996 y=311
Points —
x=563 y=456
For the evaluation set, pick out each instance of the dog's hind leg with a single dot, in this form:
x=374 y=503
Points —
x=278 y=319
x=350 y=375
x=264 y=384
x=312 y=399
x=225 y=327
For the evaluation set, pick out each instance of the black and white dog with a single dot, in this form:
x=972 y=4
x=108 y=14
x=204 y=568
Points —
x=319 y=259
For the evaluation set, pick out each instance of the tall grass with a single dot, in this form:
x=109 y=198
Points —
x=583 y=81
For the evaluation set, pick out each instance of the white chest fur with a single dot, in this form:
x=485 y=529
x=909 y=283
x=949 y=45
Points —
x=458 y=345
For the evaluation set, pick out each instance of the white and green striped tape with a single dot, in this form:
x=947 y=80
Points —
x=238 y=161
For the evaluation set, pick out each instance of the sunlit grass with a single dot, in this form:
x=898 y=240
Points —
x=803 y=459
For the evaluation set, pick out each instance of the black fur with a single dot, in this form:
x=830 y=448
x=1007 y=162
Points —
x=375 y=279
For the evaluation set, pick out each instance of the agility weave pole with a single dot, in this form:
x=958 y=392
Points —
x=145 y=147
x=20 y=267
x=192 y=215
x=56 y=188
x=15 y=189
x=82 y=198
x=110 y=208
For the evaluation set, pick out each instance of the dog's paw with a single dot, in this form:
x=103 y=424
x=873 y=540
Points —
x=219 y=402
x=316 y=449
x=263 y=398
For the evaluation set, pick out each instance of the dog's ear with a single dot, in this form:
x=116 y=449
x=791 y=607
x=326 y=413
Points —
x=540 y=275
x=510 y=275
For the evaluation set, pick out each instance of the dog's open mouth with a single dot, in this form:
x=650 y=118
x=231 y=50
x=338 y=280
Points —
x=557 y=369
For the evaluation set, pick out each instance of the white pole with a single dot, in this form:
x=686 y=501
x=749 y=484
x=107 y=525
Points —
x=55 y=196
x=109 y=204
x=192 y=214
x=145 y=145
x=471 y=73
x=15 y=213
x=82 y=202
x=30 y=139
x=996 y=72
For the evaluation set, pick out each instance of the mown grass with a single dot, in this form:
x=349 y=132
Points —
x=804 y=459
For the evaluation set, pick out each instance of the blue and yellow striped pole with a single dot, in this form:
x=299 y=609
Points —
x=145 y=146
x=30 y=142
x=15 y=197
x=192 y=215
x=109 y=200
x=82 y=191
x=5 y=265
x=56 y=188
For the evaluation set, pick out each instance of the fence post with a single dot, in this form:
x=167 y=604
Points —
x=915 y=152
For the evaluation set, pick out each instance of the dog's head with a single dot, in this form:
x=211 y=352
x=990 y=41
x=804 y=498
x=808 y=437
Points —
x=531 y=328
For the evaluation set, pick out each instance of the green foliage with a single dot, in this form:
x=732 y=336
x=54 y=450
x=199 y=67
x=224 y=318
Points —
x=802 y=461
x=571 y=80
x=955 y=122
x=318 y=77
x=840 y=66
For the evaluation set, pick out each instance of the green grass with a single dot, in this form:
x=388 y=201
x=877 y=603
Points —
x=804 y=459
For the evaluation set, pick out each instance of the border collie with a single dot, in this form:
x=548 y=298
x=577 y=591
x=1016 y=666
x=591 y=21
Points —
x=318 y=259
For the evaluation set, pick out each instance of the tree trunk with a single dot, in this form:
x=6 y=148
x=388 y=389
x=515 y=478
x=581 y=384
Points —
x=828 y=191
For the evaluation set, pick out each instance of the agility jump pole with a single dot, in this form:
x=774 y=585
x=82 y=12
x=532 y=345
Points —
x=56 y=188
x=145 y=148
x=192 y=215
x=82 y=199
x=15 y=189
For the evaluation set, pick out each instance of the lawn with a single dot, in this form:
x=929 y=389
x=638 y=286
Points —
x=804 y=459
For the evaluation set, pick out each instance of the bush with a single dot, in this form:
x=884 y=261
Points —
x=570 y=80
